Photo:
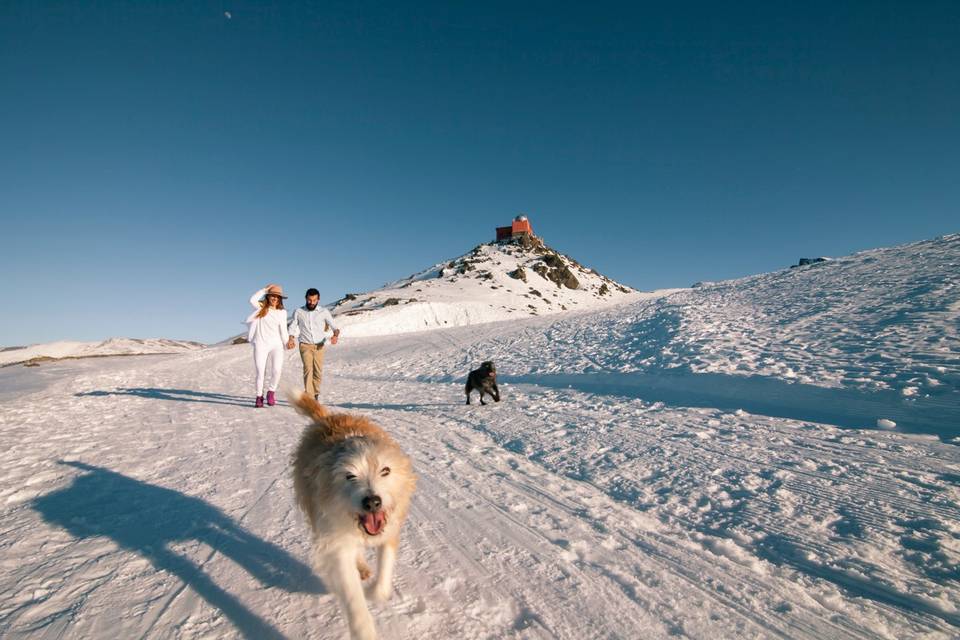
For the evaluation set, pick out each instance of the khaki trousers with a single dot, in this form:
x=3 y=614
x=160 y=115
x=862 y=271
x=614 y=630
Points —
x=312 y=357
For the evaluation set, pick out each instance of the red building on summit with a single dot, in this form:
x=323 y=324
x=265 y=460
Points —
x=519 y=229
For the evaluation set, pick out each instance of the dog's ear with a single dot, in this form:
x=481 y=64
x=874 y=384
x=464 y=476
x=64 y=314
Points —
x=309 y=407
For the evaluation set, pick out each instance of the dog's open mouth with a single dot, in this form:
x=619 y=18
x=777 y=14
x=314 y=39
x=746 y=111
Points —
x=373 y=523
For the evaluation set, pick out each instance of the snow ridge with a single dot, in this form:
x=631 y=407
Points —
x=108 y=347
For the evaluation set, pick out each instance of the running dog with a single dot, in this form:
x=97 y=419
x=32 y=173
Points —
x=484 y=380
x=353 y=484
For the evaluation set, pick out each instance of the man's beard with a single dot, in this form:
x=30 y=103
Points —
x=311 y=307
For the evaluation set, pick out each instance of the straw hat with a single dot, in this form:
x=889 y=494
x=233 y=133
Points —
x=275 y=290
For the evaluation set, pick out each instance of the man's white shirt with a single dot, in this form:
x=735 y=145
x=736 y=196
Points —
x=311 y=326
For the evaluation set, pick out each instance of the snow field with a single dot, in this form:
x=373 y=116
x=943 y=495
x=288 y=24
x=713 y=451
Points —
x=772 y=457
x=557 y=513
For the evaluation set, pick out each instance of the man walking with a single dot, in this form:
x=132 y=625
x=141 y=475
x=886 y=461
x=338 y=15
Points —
x=310 y=324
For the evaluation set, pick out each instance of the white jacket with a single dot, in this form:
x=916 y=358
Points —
x=271 y=328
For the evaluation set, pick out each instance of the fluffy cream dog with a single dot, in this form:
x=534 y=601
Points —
x=354 y=484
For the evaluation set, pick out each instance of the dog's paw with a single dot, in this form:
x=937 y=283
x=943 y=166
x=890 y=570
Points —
x=379 y=592
x=363 y=570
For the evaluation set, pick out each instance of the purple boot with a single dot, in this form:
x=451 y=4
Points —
x=259 y=402
x=271 y=399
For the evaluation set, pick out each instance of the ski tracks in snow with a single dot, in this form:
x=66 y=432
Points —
x=146 y=498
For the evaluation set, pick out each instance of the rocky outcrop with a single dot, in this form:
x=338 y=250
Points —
x=803 y=262
x=519 y=273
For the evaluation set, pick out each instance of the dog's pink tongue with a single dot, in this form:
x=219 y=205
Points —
x=373 y=522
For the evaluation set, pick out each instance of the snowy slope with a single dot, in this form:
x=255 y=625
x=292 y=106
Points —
x=635 y=482
x=109 y=347
x=878 y=331
x=492 y=282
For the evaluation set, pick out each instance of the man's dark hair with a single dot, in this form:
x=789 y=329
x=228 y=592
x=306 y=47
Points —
x=311 y=292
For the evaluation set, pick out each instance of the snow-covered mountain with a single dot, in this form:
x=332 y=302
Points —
x=109 y=347
x=494 y=281
x=885 y=320
x=769 y=457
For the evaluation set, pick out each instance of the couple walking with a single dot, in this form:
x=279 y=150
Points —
x=269 y=334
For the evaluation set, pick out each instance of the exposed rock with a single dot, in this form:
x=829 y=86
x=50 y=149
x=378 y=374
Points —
x=553 y=260
x=553 y=268
x=563 y=277
x=803 y=262
x=519 y=273
x=389 y=302
x=239 y=340
x=604 y=289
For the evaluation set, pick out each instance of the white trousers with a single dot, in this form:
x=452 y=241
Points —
x=261 y=352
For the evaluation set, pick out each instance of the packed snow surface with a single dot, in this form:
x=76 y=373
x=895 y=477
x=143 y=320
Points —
x=702 y=464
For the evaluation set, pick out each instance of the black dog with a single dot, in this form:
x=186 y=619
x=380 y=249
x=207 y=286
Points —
x=484 y=380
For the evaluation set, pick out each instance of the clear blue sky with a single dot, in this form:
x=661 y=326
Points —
x=159 y=161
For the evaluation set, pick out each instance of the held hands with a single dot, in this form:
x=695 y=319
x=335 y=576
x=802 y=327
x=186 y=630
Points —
x=290 y=342
x=335 y=338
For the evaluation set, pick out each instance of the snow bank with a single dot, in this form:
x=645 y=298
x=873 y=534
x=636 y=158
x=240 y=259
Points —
x=109 y=347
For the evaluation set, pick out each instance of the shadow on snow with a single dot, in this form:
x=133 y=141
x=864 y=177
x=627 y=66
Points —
x=146 y=519
x=180 y=395
x=848 y=408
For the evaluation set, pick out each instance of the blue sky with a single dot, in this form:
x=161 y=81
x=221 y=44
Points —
x=161 y=161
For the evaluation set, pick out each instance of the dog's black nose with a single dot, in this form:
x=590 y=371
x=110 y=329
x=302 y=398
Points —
x=371 y=504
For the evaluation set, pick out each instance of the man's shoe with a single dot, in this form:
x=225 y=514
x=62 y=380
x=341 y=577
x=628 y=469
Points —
x=259 y=402
x=271 y=399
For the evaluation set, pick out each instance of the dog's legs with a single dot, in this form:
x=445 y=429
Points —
x=481 y=396
x=386 y=558
x=496 y=393
x=468 y=394
x=340 y=568
x=362 y=567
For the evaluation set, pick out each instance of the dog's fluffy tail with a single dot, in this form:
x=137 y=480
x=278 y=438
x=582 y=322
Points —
x=309 y=407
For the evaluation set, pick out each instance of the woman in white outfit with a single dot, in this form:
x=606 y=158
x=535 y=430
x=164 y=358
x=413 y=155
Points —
x=268 y=335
